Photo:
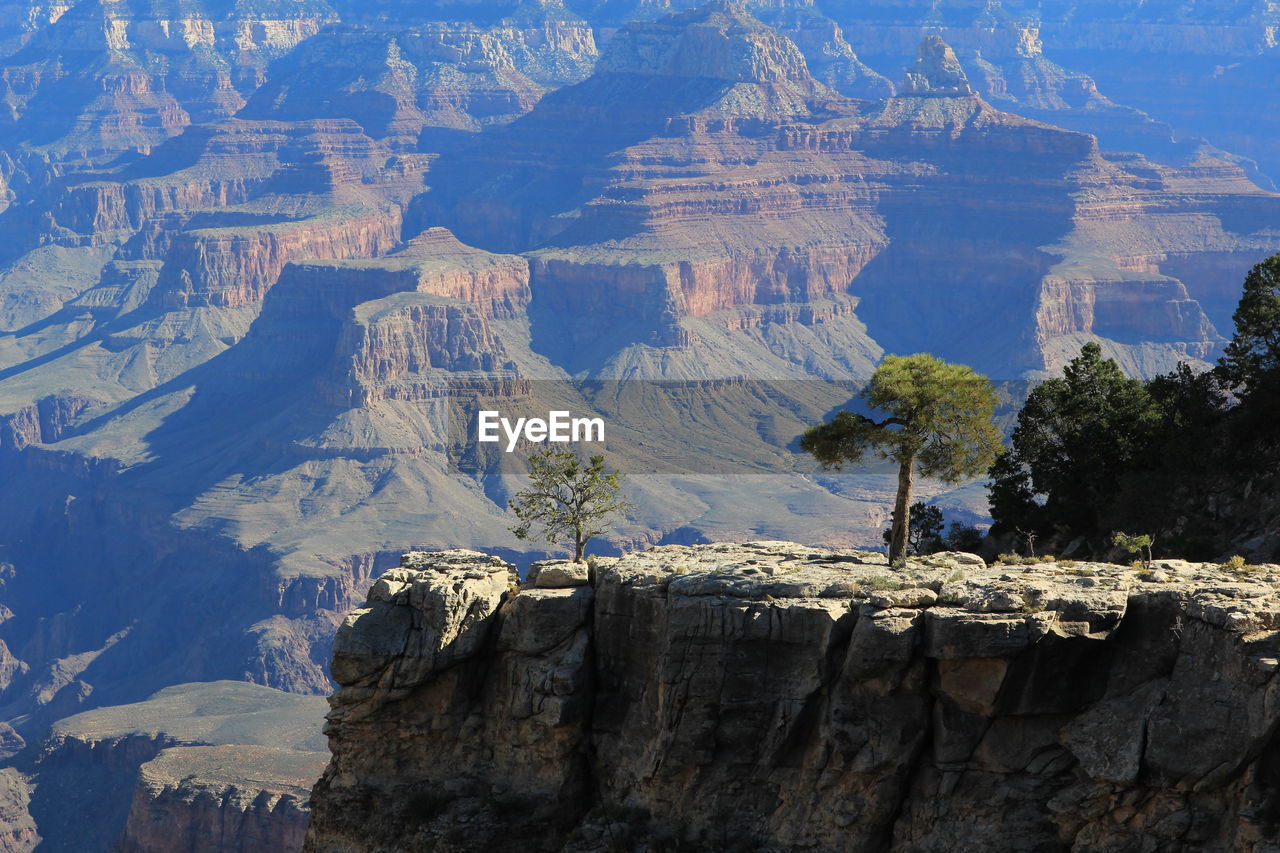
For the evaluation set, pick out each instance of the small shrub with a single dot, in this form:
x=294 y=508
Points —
x=1134 y=544
x=1138 y=564
x=1145 y=574
x=1068 y=564
x=955 y=576
x=898 y=564
x=1048 y=558
x=1008 y=559
x=1235 y=564
x=880 y=583
x=1029 y=561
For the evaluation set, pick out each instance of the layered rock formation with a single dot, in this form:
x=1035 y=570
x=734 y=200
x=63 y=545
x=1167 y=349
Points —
x=102 y=78
x=209 y=799
x=217 y=766
x=730 y=179
x=250 y=252
x=769 y=696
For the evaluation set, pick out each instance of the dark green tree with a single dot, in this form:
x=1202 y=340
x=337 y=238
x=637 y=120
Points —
x=924 y=530
x=1250 y=366
x=963 y=537
x=567 y=499
x=1252 y=358
x=939 y=423
x=1075 y=438
x=1185 y=455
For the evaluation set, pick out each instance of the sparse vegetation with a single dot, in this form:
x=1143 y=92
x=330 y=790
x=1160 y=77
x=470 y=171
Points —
x=1234 y=564
x=1134 y=544
x=567 y=499
x=963 y=537
x=880 y=583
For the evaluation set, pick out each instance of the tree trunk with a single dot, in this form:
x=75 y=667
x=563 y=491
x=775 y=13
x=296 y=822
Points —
x=579 y=545
x=901 y=513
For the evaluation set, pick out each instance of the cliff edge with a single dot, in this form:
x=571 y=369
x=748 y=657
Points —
x=769 y=696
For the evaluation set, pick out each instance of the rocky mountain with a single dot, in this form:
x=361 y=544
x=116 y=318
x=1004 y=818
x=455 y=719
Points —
x=255 y=253
x=770 y=696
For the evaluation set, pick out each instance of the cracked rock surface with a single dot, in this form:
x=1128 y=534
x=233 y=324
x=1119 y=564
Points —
x=768 y=696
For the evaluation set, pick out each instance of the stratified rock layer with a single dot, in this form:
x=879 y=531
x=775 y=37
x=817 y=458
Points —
x=769 y=696
x=217 y=766
x=211 y=799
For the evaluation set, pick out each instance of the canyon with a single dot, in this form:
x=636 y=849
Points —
x=257 y=256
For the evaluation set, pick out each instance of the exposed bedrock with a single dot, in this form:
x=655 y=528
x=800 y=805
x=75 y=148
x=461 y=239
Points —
x=396 y=79
x=769 y=696
x=656 y=296
x=221 y=799
x=98 y=78
x=702 y=168
x=425 y=307
x=219 y=766
x=228 y=267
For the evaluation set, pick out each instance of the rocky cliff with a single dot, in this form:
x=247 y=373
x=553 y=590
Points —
x=216 y=766
x=768 y=696
x=216 y=799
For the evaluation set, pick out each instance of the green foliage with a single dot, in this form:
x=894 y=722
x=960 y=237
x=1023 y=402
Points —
x=567 y=499
x=1234 y=564
x=1095 y=450
x=924 y=529
x=1074 y=437
x=1253 y=355
x=880 y=583
x=1250 y=366
x=1134 y=544
x=939 y=424
x=1008 y=559
x=963 y=537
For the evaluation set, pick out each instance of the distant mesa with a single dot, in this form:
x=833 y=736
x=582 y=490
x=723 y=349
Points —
x=936 y=72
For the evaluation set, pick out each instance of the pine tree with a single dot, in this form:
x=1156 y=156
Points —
x=939 y=423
